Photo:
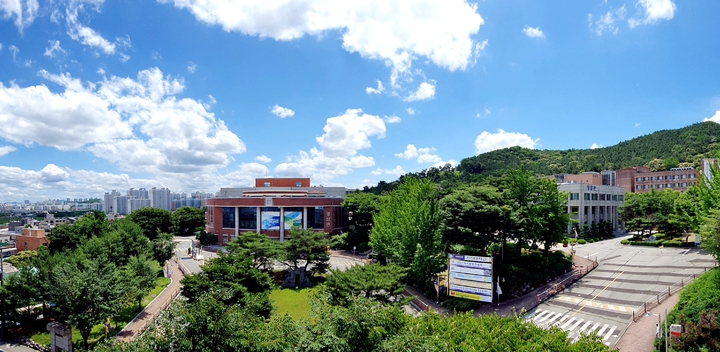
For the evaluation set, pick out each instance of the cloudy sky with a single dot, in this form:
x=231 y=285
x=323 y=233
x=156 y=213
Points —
x=201 y=94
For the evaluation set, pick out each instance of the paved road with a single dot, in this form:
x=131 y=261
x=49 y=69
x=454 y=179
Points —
x=627 y=276
x=13 y=347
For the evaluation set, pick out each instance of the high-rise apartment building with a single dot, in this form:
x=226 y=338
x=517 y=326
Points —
x=109 y=201
x=161 y=198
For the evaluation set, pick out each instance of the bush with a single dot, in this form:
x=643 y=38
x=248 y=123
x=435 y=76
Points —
x=590 y=240
x=363 y=247
x=625 y=242
x=460 y=304
x=670 y=243
x=581 y=241
x=660 y=236
x=572 y=240
x=598 y=239
x=696 y=310
x=642 y=243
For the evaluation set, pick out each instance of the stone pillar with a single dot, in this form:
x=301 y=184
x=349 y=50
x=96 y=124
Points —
x=304 y=218
x=282 y=224
x=237 y=222
x=258 y=219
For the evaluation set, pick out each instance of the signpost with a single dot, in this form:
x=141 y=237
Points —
x=470 y=277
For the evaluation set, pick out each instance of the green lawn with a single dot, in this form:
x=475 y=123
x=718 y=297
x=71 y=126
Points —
x=293 y=302
x=125 y=316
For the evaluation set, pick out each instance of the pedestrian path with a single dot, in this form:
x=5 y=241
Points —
x=152 y=310
x=592 y=303
x=575 y=326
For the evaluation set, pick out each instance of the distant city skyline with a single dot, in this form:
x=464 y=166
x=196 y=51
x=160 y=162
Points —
x=199 y=95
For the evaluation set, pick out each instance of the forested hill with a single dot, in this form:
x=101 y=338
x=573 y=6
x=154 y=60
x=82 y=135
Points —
x=689 y=144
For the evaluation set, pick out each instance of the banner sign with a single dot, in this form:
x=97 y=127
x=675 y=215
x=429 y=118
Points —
x=270 y=220
x=470 y=277
x=292 y=219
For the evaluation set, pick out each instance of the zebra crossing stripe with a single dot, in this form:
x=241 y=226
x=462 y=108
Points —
x=609 y=333
x=575 y=325
x=594 y=327
x=557 y=320
x=548 y=316
x=540 y=314
x=603 y=329
x=588 y=323
x=567 y=323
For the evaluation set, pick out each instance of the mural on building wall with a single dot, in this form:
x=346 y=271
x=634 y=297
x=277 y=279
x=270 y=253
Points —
x=293 y=219
x=270 y=220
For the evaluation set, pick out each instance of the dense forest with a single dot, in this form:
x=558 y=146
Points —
x=686 y=146
x=689 y=144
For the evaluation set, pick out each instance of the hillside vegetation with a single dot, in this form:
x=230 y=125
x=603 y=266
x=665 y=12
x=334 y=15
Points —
x=689 y=144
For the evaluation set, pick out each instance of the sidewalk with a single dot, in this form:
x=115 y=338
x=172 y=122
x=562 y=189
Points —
x=152 y=310
x=640 y=336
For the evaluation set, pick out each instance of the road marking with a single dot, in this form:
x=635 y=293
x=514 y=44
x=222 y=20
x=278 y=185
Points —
x=599 y=293
x=588 y=323
x=540 y=315
x=594 y=327
x=603 y=329
x=567 y=323
x=575 y=325
x=594 y=304
x=609 y=333
x=548 y=316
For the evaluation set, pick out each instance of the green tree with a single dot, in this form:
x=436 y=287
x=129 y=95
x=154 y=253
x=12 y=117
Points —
x=22 y=258
x=551 y=208
x=263 y=250
x=306 y=249
x=152 y=221
x=473 y=215
x=122 y=240
x=86 y=292
x=163 y=248
x=407 y=230
x=141 y=274
x=656 y=165
x=232 y=279
x=187 y=220
x=383 y=283
x=362 y=207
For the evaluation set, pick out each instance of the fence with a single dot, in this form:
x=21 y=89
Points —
x=555 y=288
x=661 y=297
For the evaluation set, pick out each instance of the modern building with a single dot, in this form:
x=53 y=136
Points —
x=590 y=178
x=274 y=206
x=592 y=204
x=161 y=198
x=109 y=201
x=137 y=203
x=639 y=179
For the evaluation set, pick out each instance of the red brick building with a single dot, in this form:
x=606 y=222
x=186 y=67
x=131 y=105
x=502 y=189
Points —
x=639 y=179
x=273 y=207
x=31 y=239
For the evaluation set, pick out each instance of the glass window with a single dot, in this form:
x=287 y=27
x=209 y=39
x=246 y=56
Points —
x=228 y=217
x=319 y=214
x=292 y=217
x=638 y=179
x=684 y=184
x=586 y=196
x=266 y=184
x=675 y=177
x=594 y=196
x=574 y=196
x=248 y=217
x=692 y=175
x=683 y=176
x=298 y=184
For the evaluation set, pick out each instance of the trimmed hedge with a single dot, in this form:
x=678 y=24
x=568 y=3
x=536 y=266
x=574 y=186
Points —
x=581 y=241
x=666 y=243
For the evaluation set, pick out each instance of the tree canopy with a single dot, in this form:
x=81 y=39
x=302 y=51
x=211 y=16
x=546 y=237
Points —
x=187 y=220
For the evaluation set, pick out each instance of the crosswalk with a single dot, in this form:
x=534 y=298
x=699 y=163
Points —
x=575 y=326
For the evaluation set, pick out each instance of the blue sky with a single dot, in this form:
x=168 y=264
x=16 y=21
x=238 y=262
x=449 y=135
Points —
x=196 y=95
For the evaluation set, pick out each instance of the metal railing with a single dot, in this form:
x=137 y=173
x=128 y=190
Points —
x=555 y=288
x=638 y=312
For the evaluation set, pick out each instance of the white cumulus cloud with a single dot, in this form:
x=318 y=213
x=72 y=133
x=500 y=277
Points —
x=191 y=67
x=652 y=12
x=397 y=171
x=533 y=32
x=378 y=90
x=7 y=149
x=263 y=159
x=410 y=111
x=422 y=155
x=487 y=141
x=595 y=146
x=344 y=136
x=396 y=32
x=392 y=119
x=714 y=118
x=282 y=112
x=425 y=91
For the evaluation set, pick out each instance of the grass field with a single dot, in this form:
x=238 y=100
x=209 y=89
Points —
x=293 y=302
x=125 y=316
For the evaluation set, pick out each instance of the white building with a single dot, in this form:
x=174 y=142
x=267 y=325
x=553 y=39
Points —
x=138 y=193
x=122 y=205
x=109 y=201
x=593 y=204
x=137 y=203
x=161 y=198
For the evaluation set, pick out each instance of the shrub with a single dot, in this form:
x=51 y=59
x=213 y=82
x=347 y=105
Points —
x=642 y=243
x=460 y=304
x=363 y=247
x=581 y=241
x=625 y=242
x=572 y=240
x=565 y=242
x=590 y=240
x=660 y=236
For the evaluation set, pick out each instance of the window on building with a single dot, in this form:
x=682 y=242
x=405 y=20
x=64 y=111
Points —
x=248 y=218
x=574 y=196
x=660 y=186
x=683 y=176
x=266 y=184
x=298 y=184
x=692 y=175
x=586 y=196
x=228 y=221
x=638 y=179
x=594 y=196
x=675 y=177
x=684 y=184
x=652 y=186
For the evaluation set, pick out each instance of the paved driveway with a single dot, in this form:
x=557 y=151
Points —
x=627 y=276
